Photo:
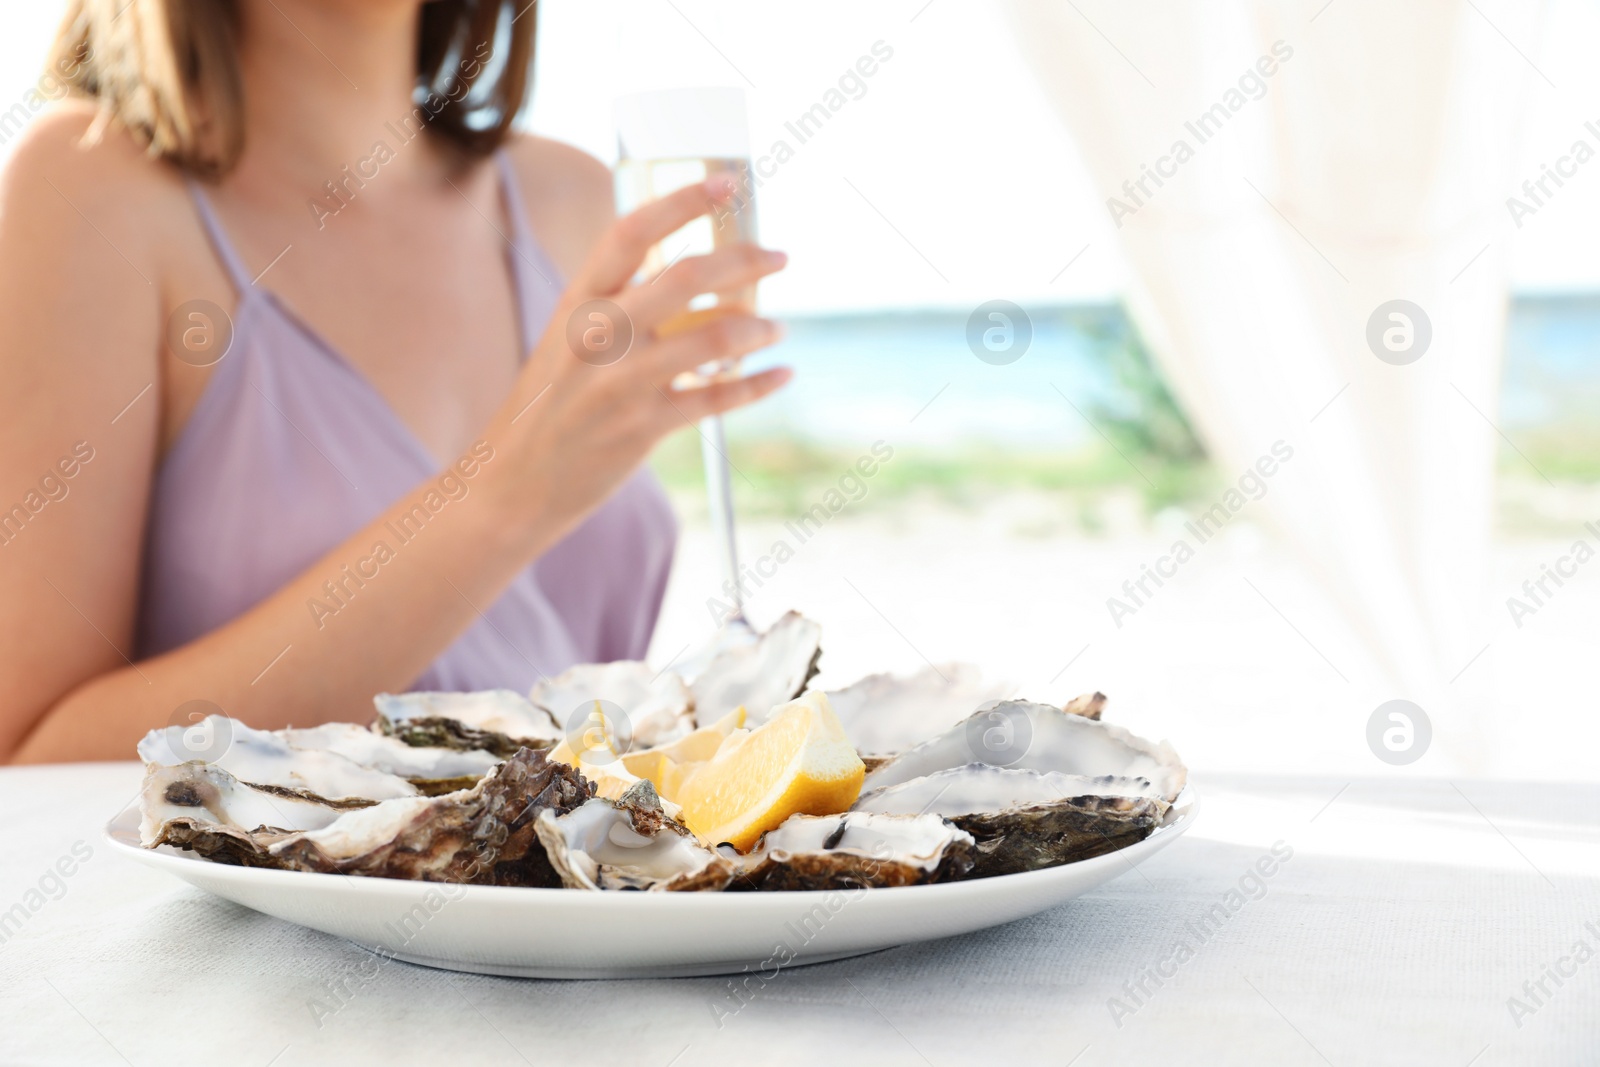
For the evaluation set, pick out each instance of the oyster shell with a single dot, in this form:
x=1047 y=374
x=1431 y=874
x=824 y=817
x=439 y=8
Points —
x=762 y=675
x=630 y=843
x=200 y=806
x=885 y=713
x=264 y=758
x=1034 y=784
x=496 y=720
x=482 y=835
x=1038 y=737
x=1022 y=820
x=656 y=706
x=980 y=787
x=432 y=770
x=856 y=850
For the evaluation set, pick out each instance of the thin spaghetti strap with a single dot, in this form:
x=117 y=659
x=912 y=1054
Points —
x=521 y=232
x=531 y=268
x=219 y=240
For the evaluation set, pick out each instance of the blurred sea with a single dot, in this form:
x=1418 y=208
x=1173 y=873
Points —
x=911 y=376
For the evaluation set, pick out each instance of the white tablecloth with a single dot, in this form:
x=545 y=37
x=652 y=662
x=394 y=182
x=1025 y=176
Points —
x=1401 y=929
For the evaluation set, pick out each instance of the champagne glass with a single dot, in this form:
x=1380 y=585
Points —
x=668 y=139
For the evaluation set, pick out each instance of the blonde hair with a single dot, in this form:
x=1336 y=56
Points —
x=167 y=70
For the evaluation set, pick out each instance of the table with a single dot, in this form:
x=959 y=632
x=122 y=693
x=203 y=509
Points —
x=1399 y=923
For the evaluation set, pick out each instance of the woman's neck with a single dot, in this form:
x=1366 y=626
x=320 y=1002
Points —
x=323 y=82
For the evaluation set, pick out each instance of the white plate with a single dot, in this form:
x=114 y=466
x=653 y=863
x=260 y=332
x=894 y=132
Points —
x=568 y=933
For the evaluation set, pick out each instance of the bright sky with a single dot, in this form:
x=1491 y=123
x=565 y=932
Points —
x=948 y=181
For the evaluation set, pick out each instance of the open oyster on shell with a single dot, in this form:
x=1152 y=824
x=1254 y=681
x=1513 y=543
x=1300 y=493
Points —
x=335 y=760
x=760 y=675
x=431 y=770
x=1023 y=820
x=202 y=807
x=630 y=843
x=483 y=835
x=656 y=706
x=270 y=760
x=856 y=850
x=886 y=713
x=498 y=721
x=1024 y=735
x=1035 y=785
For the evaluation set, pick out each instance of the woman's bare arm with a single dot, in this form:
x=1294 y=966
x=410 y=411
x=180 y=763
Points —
x=80 y=309
x=81 y=319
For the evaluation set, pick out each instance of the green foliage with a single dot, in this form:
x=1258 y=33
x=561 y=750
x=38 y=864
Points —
x=1144 y=420
x=779 y=477
x=1564 y=452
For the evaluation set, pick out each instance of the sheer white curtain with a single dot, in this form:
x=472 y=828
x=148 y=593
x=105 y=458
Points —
x=1364 y=160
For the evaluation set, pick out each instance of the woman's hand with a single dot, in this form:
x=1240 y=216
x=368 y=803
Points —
x=69 y=593
x=595 y=395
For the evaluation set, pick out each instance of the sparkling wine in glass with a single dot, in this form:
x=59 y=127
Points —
x=668 y=139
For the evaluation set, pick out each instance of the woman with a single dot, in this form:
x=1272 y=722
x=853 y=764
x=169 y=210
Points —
x=399 y=472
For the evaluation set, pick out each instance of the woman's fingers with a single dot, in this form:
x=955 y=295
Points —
x=617 y=257
x=714 y=399
x=721 y=271
x=727 y=336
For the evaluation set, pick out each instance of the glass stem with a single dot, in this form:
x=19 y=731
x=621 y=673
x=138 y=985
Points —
x=719 y=494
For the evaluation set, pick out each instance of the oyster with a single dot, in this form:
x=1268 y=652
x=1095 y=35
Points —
x=496 y=720
x=432 y=770
x=1035 y=785
x=978 y=787
x=884 y=713
x=266 y=759
x=199 y=806
x=482 y=835
x=1022 y=820
x=656 y=706
x=762 y=675
x=630 y=843
x=1038 y=737
x=856 y=850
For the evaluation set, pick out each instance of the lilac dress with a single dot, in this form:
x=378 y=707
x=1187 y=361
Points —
x=291 y=450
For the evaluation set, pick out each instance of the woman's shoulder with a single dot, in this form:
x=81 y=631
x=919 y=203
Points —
x=91 y=162
x=81 y=286
x=88 y=220
x=70 y=168
x=568 y=193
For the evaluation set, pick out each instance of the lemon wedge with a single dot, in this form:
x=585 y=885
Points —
x=669 y=766
x=798 y=762
x=702 y=744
